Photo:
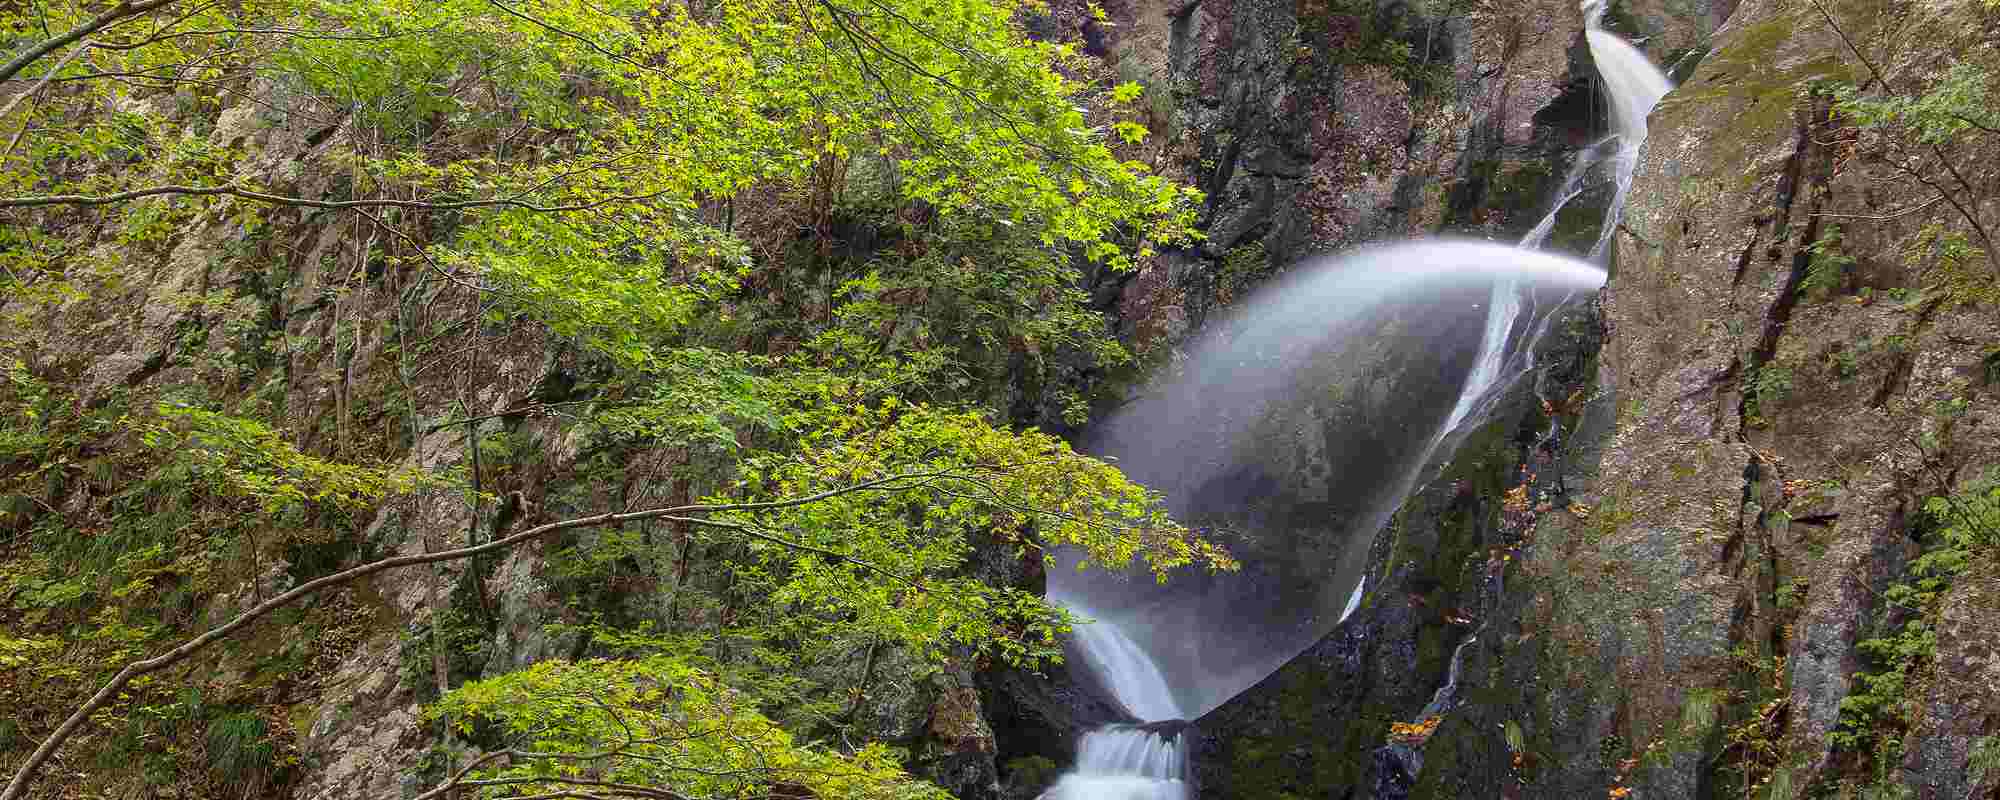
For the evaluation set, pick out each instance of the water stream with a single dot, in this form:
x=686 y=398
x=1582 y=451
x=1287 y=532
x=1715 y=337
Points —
x=1634 y=86
x=1126 y=762
x=1168 y=658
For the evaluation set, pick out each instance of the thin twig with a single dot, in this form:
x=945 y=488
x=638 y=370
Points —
x=275 y=199
x=124 y=10
x=64 y=62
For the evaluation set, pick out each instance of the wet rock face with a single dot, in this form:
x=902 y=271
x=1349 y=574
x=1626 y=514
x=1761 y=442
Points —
x=1792 y=439
x=1315 y=126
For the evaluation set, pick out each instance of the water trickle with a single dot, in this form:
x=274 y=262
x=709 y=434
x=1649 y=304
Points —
x=1634 y=86
x=1354 y=600
x=1572 y=186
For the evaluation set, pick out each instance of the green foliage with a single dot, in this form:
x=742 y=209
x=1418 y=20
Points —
x=834 y=410
x=1878 y=711
x=1952 y=108
x=239 y=749
x=1826 y=272
x=1955 y=104
x=658 y=722
x=1951 y=269
x=892 y=564
x=1983 y=760
x=1770 y=382
x=248 y=459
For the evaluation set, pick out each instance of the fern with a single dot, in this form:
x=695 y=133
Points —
x=1827 y=269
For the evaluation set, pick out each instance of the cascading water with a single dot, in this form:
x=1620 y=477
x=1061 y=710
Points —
x=1210 y=637
x=1572 y=186
x=1173 y=657
x=1217 y=649
x=1126 y=669
x=1126 y=762
x=1634 y=86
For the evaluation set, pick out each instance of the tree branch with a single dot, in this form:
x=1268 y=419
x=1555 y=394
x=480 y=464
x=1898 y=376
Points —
x=1992 y=253
x=124 y=10
x=64 y=62
x=17 y=788
x=277 y=199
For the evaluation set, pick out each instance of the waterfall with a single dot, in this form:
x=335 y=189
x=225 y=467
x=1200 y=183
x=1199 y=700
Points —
x=1354 y=600
x=1130 y=674
x=1572 y=186
x=1503 y=308
x=1126 y=762
x=1177 y=657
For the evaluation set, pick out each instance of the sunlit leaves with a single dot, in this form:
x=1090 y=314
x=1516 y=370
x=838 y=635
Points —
x=252 y=461
x=656 y=722
x=1954 y=105
x=894 y=560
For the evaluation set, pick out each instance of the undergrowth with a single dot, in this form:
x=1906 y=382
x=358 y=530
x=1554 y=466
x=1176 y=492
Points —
x=1883 y=708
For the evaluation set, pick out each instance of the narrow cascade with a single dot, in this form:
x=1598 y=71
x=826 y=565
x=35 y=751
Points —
x=1572 y=186
x=1126 y=762
x=1634 y=86
x=1127 y=670
x=1354 y=600
x=1503 y=308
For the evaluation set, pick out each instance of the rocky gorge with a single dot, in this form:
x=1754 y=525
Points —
x=1654 y=571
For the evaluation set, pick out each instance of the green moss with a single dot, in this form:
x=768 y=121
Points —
x=1242 y=267
x=1276 y=768
x=1740 y=82
x=1031 y=771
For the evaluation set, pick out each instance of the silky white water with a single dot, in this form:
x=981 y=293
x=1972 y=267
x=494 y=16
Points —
x=1168 y=657
x=1634 y=86
x=1126 y=670
x=1209 y=647
x=1125 y=762
x=1572 y=186
x=1354 y=600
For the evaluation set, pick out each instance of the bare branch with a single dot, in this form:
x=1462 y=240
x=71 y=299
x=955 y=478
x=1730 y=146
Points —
x=276 y=199
x=17 y=788
x=125 y=9
x=64 y=62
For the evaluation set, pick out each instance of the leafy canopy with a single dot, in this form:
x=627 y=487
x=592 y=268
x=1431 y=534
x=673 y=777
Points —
x=634 y=180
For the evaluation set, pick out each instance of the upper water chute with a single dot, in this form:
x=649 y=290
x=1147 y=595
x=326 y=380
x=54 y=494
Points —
x=1123 y=667
x=1633 y=86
